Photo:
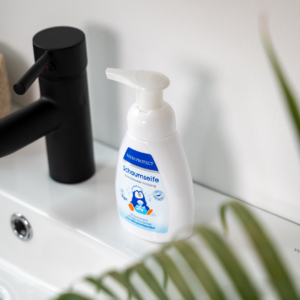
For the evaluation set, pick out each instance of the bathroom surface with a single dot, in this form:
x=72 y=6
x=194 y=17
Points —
x=197 y=112
x=234 y=127
x=76 y=228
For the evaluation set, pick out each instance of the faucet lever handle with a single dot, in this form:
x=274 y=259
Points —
x=32 y=74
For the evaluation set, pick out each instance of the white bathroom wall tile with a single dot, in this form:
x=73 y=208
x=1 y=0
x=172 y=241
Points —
x=230 y=115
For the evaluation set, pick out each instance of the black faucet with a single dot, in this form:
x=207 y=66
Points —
x=62 y=114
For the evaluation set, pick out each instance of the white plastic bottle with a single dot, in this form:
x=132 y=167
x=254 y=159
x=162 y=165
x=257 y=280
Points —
x=153 y=182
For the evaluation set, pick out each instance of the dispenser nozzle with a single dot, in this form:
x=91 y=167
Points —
x=149 y=86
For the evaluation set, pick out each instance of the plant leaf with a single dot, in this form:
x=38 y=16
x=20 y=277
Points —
x=100 y=286
x=203 y=274
x=71 y=296
x=230 y=263
x=122 y=279
x=149 y=279
x=266 y=250
x=164 y=248
x=166 y=278
x=172 y=271
x=289 y=97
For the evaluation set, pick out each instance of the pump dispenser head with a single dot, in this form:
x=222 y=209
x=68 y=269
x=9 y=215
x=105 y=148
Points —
x=149 y=86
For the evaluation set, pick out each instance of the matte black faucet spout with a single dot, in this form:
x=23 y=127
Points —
x=62 y=114
x=27 y=125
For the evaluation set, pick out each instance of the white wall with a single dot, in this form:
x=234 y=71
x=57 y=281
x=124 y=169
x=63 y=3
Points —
x=230 y=114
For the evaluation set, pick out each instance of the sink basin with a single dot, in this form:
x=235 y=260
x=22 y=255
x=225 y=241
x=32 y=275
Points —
x=76 y=229
x=61 y=249
x=55 y=255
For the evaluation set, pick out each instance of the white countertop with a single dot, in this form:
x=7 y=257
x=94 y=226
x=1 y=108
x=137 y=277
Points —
x=90 y=207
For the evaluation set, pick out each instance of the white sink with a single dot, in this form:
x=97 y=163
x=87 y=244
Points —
x=76 y=230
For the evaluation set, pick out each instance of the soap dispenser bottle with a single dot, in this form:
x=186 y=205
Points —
x=154 y=187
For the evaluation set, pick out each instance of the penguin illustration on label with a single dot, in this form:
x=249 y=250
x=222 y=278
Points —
x=138 y=202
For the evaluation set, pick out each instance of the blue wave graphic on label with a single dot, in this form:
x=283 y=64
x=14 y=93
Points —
x=140 y=159
x=159 y=195
x=141 y=193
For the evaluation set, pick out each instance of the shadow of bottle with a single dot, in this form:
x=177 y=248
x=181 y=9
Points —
x=203 y=135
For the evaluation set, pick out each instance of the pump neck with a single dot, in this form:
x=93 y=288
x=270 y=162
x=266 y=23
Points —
x=149 y=100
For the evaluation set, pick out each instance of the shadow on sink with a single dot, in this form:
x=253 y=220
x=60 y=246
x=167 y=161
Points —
x=79 y=203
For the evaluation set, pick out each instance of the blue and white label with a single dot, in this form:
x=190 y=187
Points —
x=142 y=198
x=159 y=195
x=140 y=159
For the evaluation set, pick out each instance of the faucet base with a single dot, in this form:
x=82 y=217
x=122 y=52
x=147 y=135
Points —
x=62 y=114
x=70 y=147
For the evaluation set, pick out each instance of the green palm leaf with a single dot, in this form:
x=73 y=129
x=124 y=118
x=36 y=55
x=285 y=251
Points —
x=289 y=97
x=230 y=263
x=166 y=278
x=170 y=268
x=100 y=286
x=122 y=279
x=71 y=296
x=198 y=266
x=149 y=279
x=262 y=244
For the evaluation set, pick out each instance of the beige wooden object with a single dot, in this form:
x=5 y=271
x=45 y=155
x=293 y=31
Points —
x=4 y=90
